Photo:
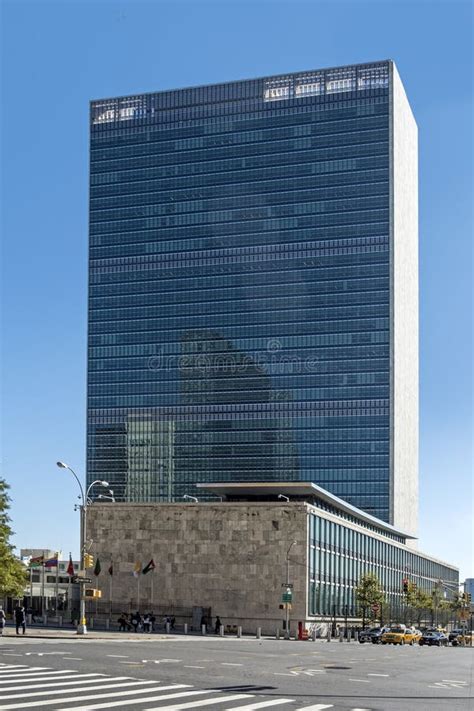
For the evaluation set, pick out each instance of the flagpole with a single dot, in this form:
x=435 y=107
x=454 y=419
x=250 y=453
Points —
x=138 y=591
x=57 y=582
x=42 y=588
x=110 y=586
x=151 y=594
x=31 y=587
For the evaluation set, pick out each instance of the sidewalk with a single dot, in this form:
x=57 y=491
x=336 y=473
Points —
x=40 y=632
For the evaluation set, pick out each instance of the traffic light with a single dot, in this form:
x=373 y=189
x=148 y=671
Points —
x=468 y=598
x=88 y=561
x=405 y=585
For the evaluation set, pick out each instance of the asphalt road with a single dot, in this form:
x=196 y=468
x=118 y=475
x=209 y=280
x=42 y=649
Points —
x=168 y=674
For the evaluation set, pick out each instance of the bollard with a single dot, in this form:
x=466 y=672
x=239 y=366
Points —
x=167 y=628
x=239 y=631
x=203 y=629
x=349 y=634
x=259 y=632
x=356 y=635
x=277 y=633
x=45 y=620
x=60 y=621
x=107 y=624
x=185 y=628
x=313 y=634
x=328 y=635
x=341 y=636
x=29 y=619
x=221 y=631
x=91 y=623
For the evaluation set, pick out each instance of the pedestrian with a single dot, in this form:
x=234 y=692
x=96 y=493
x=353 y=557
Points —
x=122 y=623
x=3 y=620
x=147 y=623
x=136 y=621
x=172 y=622
x=20 y=618
x=218 y=625
x=152 y=620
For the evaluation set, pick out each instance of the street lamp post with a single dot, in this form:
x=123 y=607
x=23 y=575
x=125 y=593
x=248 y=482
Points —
x=287 y=609
x=82 y=626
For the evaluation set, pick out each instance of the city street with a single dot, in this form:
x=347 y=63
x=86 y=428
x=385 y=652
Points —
x=171 y=673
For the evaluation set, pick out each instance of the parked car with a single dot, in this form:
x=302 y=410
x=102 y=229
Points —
x=433 y=637
x=463 y=639
x=455 y=633
x=373 y=635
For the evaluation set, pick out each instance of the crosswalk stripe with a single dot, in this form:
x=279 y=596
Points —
x=23 y=672
x=91 y=697
x=205 y=702
x=100 y=680
x=164 y=697
x=52 y=692
x=316 y=707
x=8 y=667
x=262 y=704
x=50 y=677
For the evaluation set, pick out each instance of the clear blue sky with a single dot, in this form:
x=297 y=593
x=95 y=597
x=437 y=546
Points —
x=56 y=56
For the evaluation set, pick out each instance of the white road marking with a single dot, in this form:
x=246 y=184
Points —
x=365 y=681
x=195 y=704
x=119 y=656
x=454 y=681
x=91 y=697
x=139 y=663
x=67 y=683
x=42 y=676
x=316 y=707
x=76 y=659
x=51 y=692
x=378 y=674
x=262 y=704
x=18 y=669
x=231 y=664
x=192 y=666
x=111 y=704
x=50 y=677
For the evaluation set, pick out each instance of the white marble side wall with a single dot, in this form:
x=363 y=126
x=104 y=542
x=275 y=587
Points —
x=404 y=274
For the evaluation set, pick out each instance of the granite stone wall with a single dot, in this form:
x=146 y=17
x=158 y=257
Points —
x=230 y=557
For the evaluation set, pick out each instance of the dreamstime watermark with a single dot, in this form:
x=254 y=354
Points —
x=272 y=360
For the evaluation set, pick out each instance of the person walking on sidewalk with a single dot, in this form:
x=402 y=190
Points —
x=20 y=618
x=3 y=620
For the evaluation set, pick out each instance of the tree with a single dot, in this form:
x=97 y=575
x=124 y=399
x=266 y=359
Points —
x=13 y=576
x=368 y=593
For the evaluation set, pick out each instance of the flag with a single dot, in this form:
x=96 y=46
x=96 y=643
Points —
x=111 y=568
x=137 y=569
x=35 y=562
x=51 y=562
x=151 y=566
x=70 y=567
x=97 y=568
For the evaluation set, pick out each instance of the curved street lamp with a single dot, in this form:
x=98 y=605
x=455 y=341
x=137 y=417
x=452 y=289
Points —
x=191 y=498
x=86 y=501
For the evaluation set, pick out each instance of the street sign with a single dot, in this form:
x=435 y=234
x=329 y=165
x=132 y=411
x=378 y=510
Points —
x=78 y=579
x=287 y=596
x=287 y=585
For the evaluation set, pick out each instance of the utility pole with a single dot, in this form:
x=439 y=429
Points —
x=288 y=595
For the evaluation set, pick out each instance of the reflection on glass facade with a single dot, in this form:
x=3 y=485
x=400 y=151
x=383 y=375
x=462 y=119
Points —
x=239 y=297
x=339 y=555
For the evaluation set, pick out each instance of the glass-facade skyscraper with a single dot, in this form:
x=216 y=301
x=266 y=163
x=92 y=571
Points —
x=253 y=288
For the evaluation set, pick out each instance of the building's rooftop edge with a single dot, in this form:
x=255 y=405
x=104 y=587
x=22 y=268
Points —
x=302 y=488
x=238 y=81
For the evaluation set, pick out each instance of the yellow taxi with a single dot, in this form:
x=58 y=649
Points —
x=401 y=635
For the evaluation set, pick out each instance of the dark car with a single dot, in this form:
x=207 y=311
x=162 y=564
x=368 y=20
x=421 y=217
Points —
x=454 y=634
x=438 y=639
x=373 y=635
